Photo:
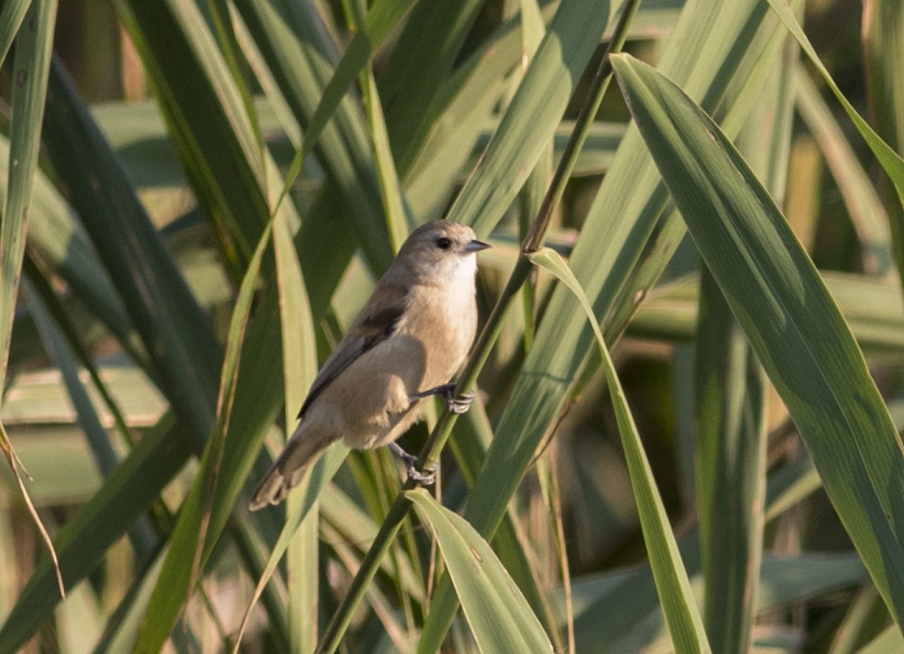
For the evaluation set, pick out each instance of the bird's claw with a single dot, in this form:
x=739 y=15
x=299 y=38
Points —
x=460 y=404
x=457 y=405
x=426 y=477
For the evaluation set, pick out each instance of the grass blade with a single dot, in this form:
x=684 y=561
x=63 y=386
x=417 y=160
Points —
x=890 y=161
x=883 y=46
x=295 y=46
x=864 y=205
x=207 y=119
x=380 y=20
x=536 y=110
x=431 y=40
x=11 y=18
x=500 y=617
x=29 y=91
x=191 y=542
x=305 y=498
x=678 y=603
x=82 y=542
x=32 y=62
x=176 y=332
x=299 y=365
x=731 y=461
x=788 y=316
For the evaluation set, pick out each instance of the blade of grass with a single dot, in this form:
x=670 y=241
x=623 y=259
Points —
x=865 y=615
x=11 y=17
x=380 y=20
x=32 y=62
x=294 y=45
x=397 y=218
x=122 y=627
x=70 y=339
x=730 y=407
x=82 y=542
x=176 y=332
x=890 y=161
x=207 y=119
x=299 y=348
x=731 y=460
x=30 y=70
x=57 y=240
x=889 y=641
x=431 y=40
x=883 y=45
x=306 y=497
x=500 y=617
x=104 y=455
x=257 y=394
x=533 y=193
x=766 y=51
x=788 y=316
x=864 y=206
x=678 y=603
x=528 y=125
x=188 y=550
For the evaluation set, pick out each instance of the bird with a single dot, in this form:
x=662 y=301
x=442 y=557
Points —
x=408 y=341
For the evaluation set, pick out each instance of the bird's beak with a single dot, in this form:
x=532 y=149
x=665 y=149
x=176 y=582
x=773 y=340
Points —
x=476 y=246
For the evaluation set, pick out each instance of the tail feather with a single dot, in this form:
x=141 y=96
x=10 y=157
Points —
x=301 y=452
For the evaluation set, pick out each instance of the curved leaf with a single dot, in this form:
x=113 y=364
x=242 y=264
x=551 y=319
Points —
x=678 y=603
x=500 y=617
x=788 y=315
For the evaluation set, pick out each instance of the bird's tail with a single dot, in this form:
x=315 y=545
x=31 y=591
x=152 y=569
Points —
x=301 y=452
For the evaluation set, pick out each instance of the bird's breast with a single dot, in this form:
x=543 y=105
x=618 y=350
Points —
x=445 y=323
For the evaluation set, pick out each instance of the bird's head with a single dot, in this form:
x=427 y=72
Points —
x=441 y=250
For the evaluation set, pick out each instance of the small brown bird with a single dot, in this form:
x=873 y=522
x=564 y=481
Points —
x=409 y=339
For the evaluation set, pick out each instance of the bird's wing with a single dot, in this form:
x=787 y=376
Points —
x=374 y=325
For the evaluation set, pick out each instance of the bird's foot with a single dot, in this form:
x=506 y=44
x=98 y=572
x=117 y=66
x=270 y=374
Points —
x=425 y=477
x=457 y=405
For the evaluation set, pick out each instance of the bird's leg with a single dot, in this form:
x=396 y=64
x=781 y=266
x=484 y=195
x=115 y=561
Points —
x=427 y=477
x=454 y=404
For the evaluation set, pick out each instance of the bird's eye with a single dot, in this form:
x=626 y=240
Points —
x=443 y=243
